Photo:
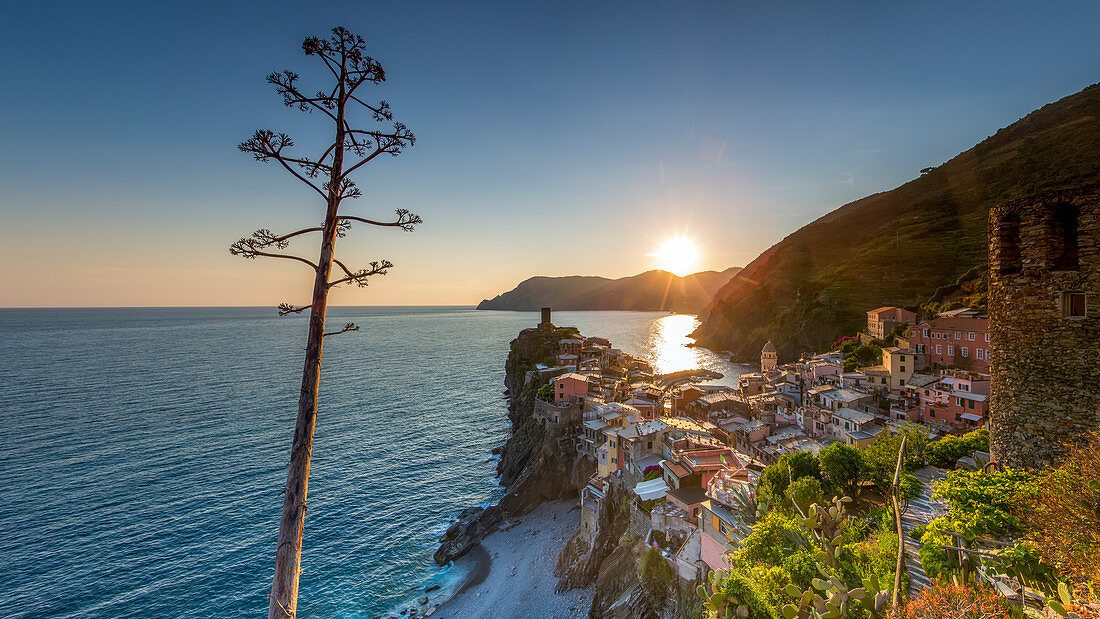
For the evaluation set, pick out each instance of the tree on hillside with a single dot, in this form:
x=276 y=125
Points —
x=329 y=176
x=773 y=482
x=843 y=465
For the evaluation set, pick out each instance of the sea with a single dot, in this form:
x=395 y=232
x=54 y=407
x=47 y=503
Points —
x=144 y=451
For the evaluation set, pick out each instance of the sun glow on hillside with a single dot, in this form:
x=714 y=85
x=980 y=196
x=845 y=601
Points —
x=679 y=255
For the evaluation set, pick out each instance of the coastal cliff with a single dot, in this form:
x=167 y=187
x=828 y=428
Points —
x=537 y=463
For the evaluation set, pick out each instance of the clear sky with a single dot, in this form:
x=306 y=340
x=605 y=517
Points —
x=553 y=138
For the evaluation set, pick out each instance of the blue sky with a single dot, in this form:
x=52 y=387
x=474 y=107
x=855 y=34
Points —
x=553 y=138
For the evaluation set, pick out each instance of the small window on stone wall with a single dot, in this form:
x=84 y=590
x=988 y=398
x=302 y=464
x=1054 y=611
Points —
x=1063 y=227
x=1073 y=305
x=1008 y=256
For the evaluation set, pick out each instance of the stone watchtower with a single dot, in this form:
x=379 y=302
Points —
x=1044 y=324
x=768 y=357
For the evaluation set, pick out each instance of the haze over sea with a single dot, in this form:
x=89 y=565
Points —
x=146 y=449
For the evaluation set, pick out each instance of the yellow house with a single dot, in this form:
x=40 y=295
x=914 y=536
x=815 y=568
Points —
x=901 y=364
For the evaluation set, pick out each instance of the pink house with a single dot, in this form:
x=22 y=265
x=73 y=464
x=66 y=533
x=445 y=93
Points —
x=881 y=321
x=721 y=527
x=568 y=388
x=959 y=400
x=814 y=371
x=959 y=341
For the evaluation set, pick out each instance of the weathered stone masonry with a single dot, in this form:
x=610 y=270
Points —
x=1044 y=311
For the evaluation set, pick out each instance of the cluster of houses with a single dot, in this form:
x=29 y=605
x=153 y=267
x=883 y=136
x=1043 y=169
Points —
x=692 y=453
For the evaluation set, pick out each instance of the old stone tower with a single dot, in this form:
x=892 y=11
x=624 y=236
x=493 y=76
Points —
x=1044 y=324
x=768 y=357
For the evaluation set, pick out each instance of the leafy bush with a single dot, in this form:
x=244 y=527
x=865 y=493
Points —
x=862 y=354
x=655 y=574
x=933 y=558
x=803 y=492
x=732 y=594
x=945 y=452
x=769 y=537
x=880 y=459
x=776 y=477
x=986 y=503
x=910 y=486
x=1063 y=516
x=651 y=473
x=948 y=600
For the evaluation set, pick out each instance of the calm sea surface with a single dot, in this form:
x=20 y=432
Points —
x=144 y=450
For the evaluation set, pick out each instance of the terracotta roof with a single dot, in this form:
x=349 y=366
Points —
x=678 y=470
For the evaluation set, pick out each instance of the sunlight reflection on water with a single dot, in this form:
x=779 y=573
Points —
x=667 y=341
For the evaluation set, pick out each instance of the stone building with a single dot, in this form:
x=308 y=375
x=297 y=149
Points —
x=769 y=359
x=1044 y=324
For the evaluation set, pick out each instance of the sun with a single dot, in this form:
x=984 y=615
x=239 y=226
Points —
x=679 y=255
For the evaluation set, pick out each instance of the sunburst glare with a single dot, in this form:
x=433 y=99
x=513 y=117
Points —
x=678 y=255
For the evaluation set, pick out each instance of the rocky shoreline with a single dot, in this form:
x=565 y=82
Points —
x=573 y=571
x=518 y=578
x=532 y=468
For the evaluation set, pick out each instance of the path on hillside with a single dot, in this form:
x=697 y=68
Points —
x=922 y=510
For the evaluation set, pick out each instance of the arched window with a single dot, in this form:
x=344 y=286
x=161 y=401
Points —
x=1063 y=228
x=1008 y=241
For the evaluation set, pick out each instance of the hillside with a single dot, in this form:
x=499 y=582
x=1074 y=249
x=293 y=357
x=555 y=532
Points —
x=652 y=290
x=898 y=247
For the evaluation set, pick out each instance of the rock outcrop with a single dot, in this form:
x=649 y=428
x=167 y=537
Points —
x=537 y=463
x=471 y=527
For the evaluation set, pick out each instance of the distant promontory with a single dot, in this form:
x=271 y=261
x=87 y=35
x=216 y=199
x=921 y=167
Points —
x=652 y=290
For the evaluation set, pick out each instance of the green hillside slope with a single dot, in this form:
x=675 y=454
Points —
x=899 y=246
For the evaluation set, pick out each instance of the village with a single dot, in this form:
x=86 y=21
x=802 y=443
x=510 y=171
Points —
x=691 y=453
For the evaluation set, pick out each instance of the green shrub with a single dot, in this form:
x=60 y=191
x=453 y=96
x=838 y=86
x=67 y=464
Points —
x=842 y=465
x=655 y=574
x=770 y=536
x=880 y=459
x=910 y=486
x=933 y=558
x=545 y=393
x=771 y=580
x=803 y=492
x=946 y=451
x=750 y=595
x=776 y=477
x=986 y=503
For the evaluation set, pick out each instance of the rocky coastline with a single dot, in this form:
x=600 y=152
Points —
x=533 y=467
x=599 y=566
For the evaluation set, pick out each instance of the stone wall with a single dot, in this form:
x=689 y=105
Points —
x=1045 y=367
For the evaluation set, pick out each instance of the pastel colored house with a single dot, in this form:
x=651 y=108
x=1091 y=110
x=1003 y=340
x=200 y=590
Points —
x=855 y=428
x=958 y=339
x=569 y=388
x=721 y=524
x=881 y=321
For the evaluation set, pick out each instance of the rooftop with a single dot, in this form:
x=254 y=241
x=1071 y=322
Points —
x=845 y=395
x=853 y=415
x=692 y=495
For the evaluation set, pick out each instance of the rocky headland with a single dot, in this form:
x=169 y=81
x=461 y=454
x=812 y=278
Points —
x=540 y=465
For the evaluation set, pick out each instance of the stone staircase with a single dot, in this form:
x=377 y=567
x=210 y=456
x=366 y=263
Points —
x=922 y=510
